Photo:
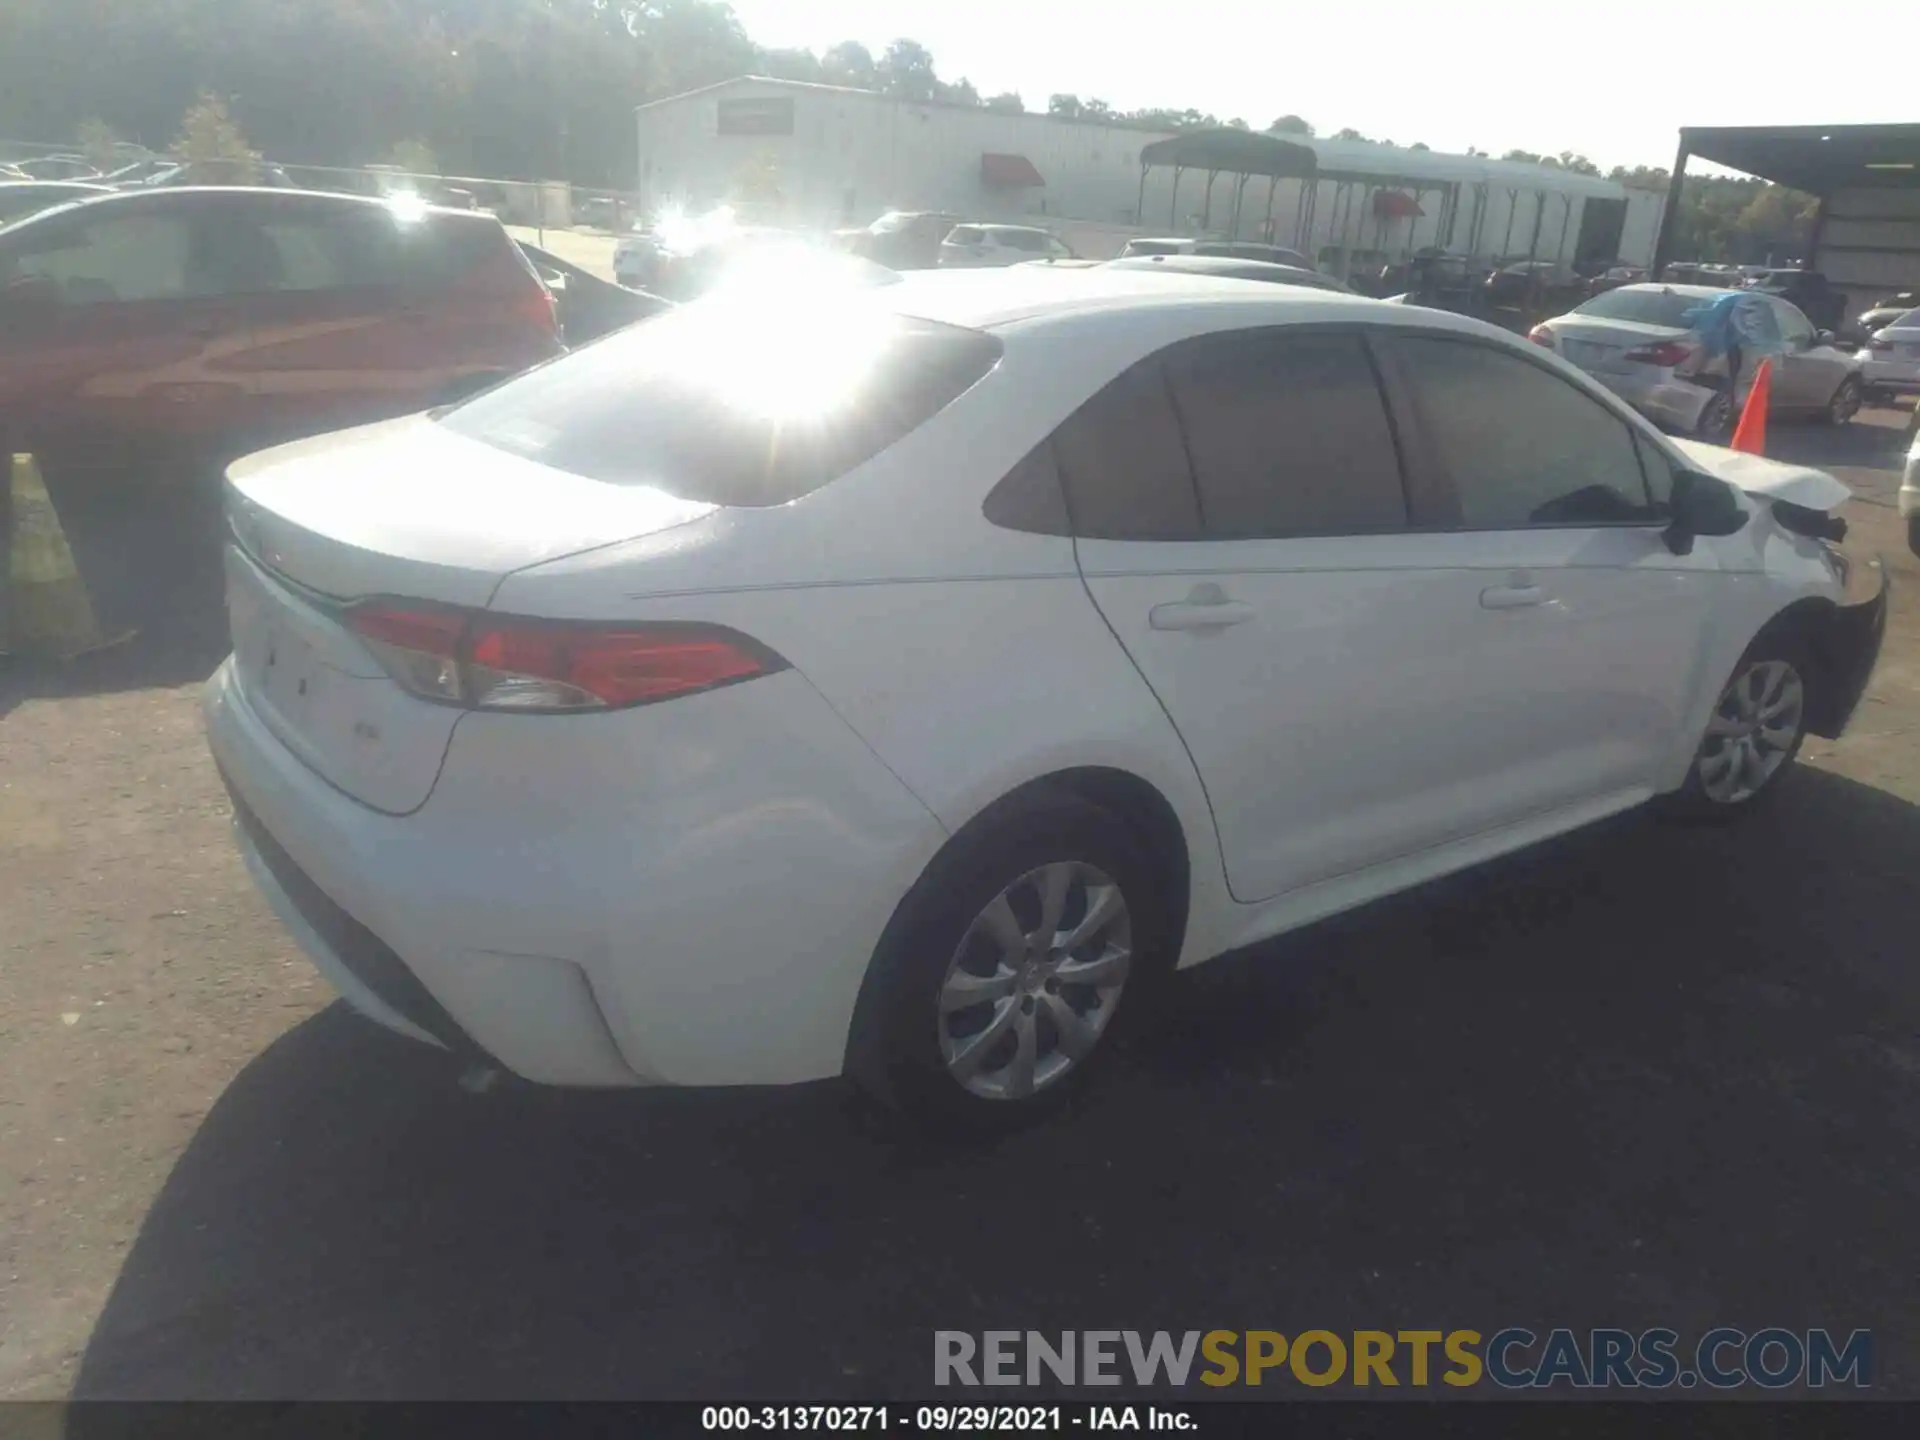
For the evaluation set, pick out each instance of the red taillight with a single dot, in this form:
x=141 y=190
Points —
x=526 y=665
x=1541 y=335
x=1666 y=353
x=535 y=306
x=1880 y=347
x=488 y=663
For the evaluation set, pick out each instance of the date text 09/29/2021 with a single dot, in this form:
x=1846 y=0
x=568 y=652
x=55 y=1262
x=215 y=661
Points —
x=946 y=1419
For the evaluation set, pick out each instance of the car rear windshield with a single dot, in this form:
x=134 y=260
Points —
x=733 y=402
x=1645 y=307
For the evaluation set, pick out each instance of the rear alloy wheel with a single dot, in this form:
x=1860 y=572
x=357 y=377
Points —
x=1754 y=733
x=1035 y=980
x=1845 y=403
x=998 y=982
x=1716 y=418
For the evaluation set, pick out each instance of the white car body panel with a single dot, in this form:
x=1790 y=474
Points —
x=1897 y=367
x=1769 y=479
x=690 y=892
x=1908 y=498
x=1300 y=714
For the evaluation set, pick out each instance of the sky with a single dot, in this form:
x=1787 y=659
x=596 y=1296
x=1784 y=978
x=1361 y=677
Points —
x=1613 y=82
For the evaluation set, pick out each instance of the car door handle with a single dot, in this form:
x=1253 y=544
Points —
x=1511 y=597
x=1205 y=609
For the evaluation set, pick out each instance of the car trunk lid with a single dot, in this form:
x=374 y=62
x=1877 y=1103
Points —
x=1602 y=346
x=400 y=509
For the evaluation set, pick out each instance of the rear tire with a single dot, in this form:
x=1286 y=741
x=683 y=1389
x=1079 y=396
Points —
x=981 y=1012
x=1845 y=403
x=1754 y=732
x=1717 y=419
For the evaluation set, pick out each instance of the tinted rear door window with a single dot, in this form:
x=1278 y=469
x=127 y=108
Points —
x=1124 y=464
x=1289 y=435
x=730 y=404
x=1523 y=446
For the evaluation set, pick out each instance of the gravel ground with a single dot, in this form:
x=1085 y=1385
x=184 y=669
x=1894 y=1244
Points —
x=1640 y=1076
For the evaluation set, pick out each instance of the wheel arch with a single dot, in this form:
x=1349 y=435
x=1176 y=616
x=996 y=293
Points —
x=1137 y=802
x=1810 y=619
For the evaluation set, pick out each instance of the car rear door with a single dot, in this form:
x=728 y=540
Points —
x=336 y=342
x=363 y=312
x=118 y=334
x=1809 y=371
x=1279 y=590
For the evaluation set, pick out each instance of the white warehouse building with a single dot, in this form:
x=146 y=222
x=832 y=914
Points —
x=839 y=157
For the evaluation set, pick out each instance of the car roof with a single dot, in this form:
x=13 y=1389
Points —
x=1037 y=296
x=182 y=194
x=1692 y=292
x=1232 y=266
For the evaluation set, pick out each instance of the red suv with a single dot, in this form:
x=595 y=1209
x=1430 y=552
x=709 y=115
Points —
x=203 y=323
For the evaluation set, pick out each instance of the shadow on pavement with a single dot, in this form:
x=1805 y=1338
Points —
x=1644 y=1076
x=1869 y=443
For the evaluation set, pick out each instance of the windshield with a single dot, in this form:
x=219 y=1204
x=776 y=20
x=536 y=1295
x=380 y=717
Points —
x=733 y=402
x=1644 y=307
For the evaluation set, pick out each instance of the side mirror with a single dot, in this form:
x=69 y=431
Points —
x=1702 y=505
x=1823 y=337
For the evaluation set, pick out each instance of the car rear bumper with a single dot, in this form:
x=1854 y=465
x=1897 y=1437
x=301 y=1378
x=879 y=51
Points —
x=1891 y=374
x=1849 y=647
x=650 y=897
x=1673 y=403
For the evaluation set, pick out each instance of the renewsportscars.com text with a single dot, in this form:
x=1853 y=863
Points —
x=1512 y=1358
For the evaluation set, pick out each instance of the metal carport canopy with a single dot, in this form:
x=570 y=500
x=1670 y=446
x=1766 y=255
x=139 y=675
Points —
x=1865 y=177
x=1817 y=159
x=1225 y=151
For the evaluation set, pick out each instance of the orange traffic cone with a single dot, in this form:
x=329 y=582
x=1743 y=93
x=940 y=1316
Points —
x=52 y=616
x=1750 y=434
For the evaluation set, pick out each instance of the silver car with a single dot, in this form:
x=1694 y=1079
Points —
x=1634 y=341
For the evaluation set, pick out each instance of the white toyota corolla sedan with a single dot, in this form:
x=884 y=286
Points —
x=898 y=682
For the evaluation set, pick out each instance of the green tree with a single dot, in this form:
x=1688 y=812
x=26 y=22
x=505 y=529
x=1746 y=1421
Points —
x=906 y=70
x=1290 y=125
x=960 y=92
x=99 y=144
x=1064 y=107
x=791 y=65
x=1009 y=102
x=211 y=146
x=851 y=63
x=1347 y=132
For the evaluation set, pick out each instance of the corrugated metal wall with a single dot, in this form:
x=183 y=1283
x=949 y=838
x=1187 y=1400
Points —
x=853 y=154
x=1870 y=244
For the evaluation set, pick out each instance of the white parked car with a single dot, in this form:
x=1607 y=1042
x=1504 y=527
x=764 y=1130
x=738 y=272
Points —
x=1890 y=360
x=1634 y=341
x=901 y=681
x=636 y=258
x=972 y=247
x=1909 y=496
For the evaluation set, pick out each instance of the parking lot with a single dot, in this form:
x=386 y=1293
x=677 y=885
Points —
x=1643 y=1076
